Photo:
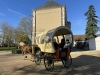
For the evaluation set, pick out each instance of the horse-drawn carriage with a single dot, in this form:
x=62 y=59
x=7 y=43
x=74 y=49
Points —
x=46 y=49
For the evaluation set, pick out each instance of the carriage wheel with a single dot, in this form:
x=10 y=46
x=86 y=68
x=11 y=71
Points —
x=67 y=62
x=37 y=58
x=49 y=63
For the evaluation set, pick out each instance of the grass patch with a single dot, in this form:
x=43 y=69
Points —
x=7 y=48
x=12 y=49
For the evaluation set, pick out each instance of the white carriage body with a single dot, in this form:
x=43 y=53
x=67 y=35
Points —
x=45 y=39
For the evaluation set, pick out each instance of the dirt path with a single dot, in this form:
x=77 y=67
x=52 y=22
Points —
x=84 y=63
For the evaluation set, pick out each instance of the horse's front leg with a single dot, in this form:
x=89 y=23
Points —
x=31 y=55
x=24 y=54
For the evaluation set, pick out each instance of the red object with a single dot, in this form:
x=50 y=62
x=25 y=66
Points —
x=68 y=52
x=57 y=54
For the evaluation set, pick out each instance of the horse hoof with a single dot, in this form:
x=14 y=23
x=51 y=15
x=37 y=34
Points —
x=32 y=60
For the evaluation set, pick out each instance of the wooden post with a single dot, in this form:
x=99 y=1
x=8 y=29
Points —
x=57 y=40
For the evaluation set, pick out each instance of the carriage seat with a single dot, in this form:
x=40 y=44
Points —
x=63 y=53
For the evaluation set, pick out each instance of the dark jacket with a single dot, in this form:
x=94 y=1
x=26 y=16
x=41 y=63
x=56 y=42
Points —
x=56 y=45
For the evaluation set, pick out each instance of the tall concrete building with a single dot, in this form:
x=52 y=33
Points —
x=48 y=16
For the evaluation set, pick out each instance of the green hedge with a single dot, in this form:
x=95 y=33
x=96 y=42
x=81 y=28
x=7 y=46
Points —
x=16 y=51
x=7 y=48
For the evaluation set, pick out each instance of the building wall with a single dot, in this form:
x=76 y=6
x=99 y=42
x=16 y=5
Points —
x=49 y=18
x=68 y=24
x=94 y=44
x=46 y=19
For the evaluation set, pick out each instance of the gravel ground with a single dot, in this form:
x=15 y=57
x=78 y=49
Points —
x=84 y=63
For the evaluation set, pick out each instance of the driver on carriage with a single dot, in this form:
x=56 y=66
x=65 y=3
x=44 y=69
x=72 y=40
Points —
x=56 y=45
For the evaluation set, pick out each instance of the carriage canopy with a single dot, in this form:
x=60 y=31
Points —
x=45 y=39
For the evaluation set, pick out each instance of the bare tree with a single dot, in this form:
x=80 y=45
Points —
x=25 y=25
x=6 y=32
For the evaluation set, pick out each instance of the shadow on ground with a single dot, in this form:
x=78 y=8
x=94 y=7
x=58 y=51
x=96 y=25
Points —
x=74 y=49
x=82 y=65
x=86 y=65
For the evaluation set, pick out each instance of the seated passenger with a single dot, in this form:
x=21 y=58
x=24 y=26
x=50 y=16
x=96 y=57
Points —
x=62 y=43
x=67 y=44
x=55 y=44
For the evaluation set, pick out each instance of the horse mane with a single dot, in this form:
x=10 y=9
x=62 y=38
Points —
x=22 y=44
